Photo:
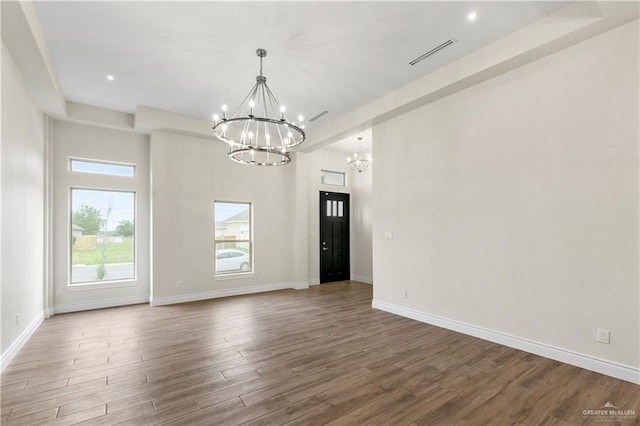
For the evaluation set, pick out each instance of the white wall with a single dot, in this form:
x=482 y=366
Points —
x=72 y=140
x=300 y=203
x=22 y=229
x=188 y=174
x=514 y=204
x=362 y=226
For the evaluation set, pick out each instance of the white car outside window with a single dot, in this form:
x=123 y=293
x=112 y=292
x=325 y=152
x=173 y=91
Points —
x=231 y=260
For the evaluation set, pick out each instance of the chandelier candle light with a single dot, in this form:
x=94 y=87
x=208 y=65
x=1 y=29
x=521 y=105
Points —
x=359 y=163
x=258 y=132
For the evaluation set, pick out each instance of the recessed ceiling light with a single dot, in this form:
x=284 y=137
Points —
x=472 y=16
x=110 y=77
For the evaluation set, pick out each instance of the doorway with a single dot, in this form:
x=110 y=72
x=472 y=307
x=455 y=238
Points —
x=334 y=237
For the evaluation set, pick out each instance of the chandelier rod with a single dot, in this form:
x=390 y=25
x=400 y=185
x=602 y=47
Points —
x=247 y=98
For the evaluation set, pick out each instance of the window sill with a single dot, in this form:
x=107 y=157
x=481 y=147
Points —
x=238 y=276
x=95 y=285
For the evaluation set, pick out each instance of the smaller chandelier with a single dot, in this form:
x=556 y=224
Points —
x=258 y=132
x=359 y=163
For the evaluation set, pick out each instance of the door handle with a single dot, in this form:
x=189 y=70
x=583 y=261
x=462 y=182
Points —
x=325 y=248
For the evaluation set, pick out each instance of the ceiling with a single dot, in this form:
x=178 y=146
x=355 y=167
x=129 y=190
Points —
x=192 y=57
x=350 y=145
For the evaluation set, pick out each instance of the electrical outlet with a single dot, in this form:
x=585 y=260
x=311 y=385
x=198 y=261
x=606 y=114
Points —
x=404 y=294
x=604 y=336
x=178 y=284
x=388 y=235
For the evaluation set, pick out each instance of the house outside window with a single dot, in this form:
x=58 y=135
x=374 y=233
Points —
x=233 y=238
x=102 y=236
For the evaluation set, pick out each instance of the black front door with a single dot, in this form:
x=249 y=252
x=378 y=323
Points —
x=334 y=237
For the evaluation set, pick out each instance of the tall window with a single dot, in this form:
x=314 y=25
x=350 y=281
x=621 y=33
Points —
x=233 y=236
x=102 y=235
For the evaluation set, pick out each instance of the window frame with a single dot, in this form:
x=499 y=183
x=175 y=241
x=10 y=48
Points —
x=234 y=274
x=107 y=283
x=101 y=162
x=336 y=173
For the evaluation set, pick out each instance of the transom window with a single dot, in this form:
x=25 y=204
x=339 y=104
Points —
x=233 y=238
x=328 y=177
x=101 y=167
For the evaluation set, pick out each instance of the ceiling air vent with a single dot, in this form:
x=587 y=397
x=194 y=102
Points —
x=315 y=117
x=432 y=51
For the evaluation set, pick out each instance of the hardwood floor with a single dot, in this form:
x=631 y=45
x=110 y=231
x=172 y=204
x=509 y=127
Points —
x=300 y=357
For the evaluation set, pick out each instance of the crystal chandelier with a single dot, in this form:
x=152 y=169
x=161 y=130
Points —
x=359 y=163
x=258 y=132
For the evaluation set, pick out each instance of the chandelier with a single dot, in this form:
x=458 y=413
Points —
x=258 y=132
x=359 y=163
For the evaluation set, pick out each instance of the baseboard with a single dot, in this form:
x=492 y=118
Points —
x=109 y=303
x=15 y=347
x=359 y=278
x=299 y=286
x=609 y=368
x=362 y=279
x=215 y=294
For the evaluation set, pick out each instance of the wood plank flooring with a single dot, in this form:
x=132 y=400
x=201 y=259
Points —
x=296 y=357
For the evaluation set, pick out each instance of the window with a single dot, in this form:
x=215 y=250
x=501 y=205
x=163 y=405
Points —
x=335 y=208
x=102 y=236
x=101 y=168
x=332 y=178
x=233 y=238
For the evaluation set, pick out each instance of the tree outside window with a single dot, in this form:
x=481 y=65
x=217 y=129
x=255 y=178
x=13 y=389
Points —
x=102 y=235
